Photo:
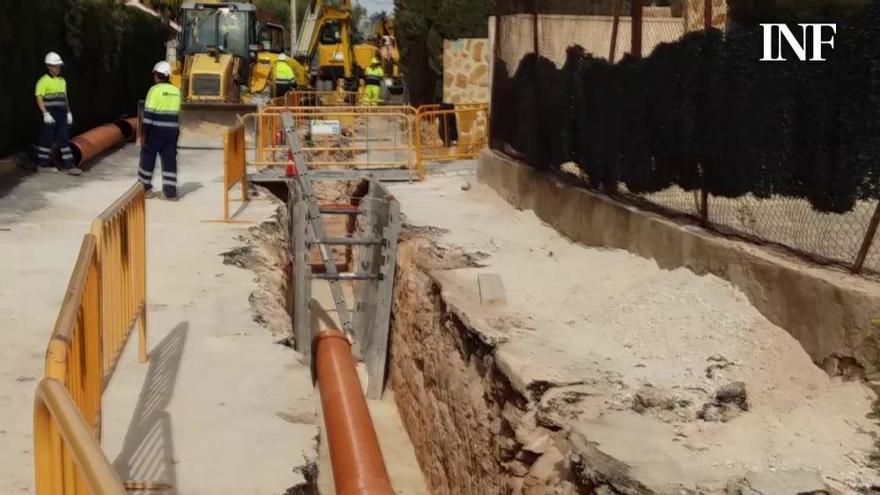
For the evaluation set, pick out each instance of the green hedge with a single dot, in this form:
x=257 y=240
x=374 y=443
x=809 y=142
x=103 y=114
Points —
x=705 y=113
x=109 y=51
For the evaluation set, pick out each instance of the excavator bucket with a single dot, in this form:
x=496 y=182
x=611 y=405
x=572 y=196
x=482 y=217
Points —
x=202 y=125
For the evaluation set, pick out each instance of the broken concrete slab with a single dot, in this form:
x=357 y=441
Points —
x=797 y=482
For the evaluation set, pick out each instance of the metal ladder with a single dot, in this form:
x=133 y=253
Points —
x=315 y=220
x=368 y=321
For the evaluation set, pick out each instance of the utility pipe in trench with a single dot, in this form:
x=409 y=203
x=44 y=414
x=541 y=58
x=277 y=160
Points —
x=358 y=467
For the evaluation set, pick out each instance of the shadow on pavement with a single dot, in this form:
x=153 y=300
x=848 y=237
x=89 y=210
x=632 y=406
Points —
x=147 y=462
x=11 y=176
x=187 y=188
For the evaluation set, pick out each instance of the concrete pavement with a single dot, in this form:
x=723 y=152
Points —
x=220 y=408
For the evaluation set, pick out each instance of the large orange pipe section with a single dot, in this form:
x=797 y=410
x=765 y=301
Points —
x=358 y=467
x=92 y=143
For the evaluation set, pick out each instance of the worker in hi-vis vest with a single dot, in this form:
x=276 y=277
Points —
x=373 y=77
x=161 y=130
x=285 y=80
x=51 y=94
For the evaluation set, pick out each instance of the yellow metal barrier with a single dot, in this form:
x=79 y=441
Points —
x=106 y=298
x=435 y=140
x=74 y=355
x=68 y=458
x=316 y=98
x=338 y=137
x=234 y=165
x=120 y=232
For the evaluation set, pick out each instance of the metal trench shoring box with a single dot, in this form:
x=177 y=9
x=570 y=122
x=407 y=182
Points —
x=362 y=283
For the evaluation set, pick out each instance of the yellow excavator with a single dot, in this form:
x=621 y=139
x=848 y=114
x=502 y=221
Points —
x=326 y=46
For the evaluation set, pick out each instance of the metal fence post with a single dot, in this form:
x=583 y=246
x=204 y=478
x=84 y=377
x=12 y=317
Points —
x=535 y=43
x=707 y=14
x=867 y=241
x=615 y=26
x=704 y=206
x=636 y=17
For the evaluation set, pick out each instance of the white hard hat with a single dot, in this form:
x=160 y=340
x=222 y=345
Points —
x=53 y=58
x=282 y=56
x=163 y=68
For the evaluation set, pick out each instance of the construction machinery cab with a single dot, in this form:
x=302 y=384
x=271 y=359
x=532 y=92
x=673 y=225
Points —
x=271 y=46
x=271 y=37
x=217 y=42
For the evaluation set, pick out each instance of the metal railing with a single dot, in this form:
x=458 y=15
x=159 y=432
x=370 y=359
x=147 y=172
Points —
x=338 y=137
x=450 y=134
x=316 y=99
x=74 y=354
x=68 y=459
x=234 y=166
x=120 y=232
x=105 y=300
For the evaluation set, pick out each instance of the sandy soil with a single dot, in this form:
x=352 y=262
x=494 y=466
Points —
x=616 y=351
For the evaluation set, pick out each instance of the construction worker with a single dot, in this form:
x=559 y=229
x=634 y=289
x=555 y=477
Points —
x=51 y=94
x=161 y=130
x=285 y=80
x=373 y=77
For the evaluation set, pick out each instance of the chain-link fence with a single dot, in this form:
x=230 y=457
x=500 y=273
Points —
x=666 y=104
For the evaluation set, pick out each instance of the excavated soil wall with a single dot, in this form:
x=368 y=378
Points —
x=472 y=431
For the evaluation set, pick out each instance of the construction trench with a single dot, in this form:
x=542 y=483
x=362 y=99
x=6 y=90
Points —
x=544 y=339
x=595 y=370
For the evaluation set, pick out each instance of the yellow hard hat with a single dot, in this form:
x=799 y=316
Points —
x=375 y=61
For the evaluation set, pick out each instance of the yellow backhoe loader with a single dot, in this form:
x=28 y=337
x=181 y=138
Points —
x=225 y=65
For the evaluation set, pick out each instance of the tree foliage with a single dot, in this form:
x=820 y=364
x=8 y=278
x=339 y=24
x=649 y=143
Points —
x=422 y=25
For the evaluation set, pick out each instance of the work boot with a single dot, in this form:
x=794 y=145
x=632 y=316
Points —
x=168 y=197
x=73 y=171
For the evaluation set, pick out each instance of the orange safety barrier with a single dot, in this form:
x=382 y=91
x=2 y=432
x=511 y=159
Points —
x=358 y=467
x=68 y=458
x=338 y=137
x=74 y=355
x=234 y=165
x=299 y=98
x=406 y=109
x=106 y=298
x=435 y=140
x=120 y=232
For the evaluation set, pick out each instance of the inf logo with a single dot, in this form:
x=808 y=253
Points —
x=811 y=36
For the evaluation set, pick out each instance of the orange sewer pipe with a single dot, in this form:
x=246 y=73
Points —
x=358 y=467
x=90 y=144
